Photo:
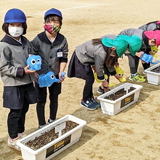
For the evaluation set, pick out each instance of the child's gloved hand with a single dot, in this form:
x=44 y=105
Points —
x=96 y=78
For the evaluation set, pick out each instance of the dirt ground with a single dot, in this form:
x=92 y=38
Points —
x=133 y=134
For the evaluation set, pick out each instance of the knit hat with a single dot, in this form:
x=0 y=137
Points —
x=134 y=42
x=120 y=45
x=53 y=11
x=15 y=16
x=153 y=35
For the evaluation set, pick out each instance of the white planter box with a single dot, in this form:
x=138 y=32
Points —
x=112 y=107
x=56 y=146
x=153 y=77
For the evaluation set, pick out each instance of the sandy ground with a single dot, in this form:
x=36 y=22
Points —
x=132 y=134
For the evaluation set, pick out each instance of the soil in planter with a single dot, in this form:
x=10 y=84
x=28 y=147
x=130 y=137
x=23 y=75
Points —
x=118 y=94
x=49 y=136
x=157 y=70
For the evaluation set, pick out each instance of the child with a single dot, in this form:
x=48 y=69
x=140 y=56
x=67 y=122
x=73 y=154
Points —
x=94 y=52
x=155 y=25
x=149 y=38
x=134 y=44
x=17 y=78
x=102 y=90
x=53 y=49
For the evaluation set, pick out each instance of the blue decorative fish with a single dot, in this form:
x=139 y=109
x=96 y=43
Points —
x=148 y=59
x=34 y=62
x=46 y=80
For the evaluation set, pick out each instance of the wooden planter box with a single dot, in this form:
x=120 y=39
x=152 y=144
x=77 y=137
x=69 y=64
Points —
x=153 y=77
x=112 y=107
x=56 y=146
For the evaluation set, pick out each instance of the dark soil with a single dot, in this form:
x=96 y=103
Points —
x=157 y=70
x=49 y=136
x=118 y=94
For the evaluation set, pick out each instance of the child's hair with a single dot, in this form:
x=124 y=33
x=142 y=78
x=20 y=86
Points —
x=111 y=58
x=112 y=55
x=52 y=17
x=5 y=27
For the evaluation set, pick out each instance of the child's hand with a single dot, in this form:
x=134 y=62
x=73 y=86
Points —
x=27 y=71
x=118 y=77
x=60 y=77
x=116 y=64
x=94 y=68
x=143 y=62
x=151 y=53
x=139 y=54
x=105 y=86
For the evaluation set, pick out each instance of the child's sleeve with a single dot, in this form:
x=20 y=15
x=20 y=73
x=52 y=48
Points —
x=5 y=64
x=65 y=52
x=99 y=65
x=34 y=46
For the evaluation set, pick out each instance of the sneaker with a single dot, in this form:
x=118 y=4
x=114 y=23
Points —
x=50 y=121
x=13 y=143
x=89 y=104
x=41 y=126
x=95 y=102
x=137 y=78
x=140 y=75
x=22 y=135
x=100 y=90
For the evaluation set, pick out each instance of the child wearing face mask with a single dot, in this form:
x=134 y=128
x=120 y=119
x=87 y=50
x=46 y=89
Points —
x=53 y=48
x=17 y=78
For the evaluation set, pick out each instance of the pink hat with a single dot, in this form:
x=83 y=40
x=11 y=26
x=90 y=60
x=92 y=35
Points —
x=153 y=35
x=158 y=22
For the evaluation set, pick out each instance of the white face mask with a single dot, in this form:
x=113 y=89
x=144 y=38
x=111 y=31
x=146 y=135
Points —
x=15 y=31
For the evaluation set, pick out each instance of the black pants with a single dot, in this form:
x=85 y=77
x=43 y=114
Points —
x=134 y=62
x=16 y=120
x=146 y=65
x=54 y=91
x=18 y=98
x=77 y=69
x=88 y=88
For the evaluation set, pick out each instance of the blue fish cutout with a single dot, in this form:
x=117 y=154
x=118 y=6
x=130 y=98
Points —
x=148 y=59
x=46 y=80
x=34 y=62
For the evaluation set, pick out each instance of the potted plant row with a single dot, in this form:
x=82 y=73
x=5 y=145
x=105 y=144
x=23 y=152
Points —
x=52 y=139
x=153 y=74
x=119 y=98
